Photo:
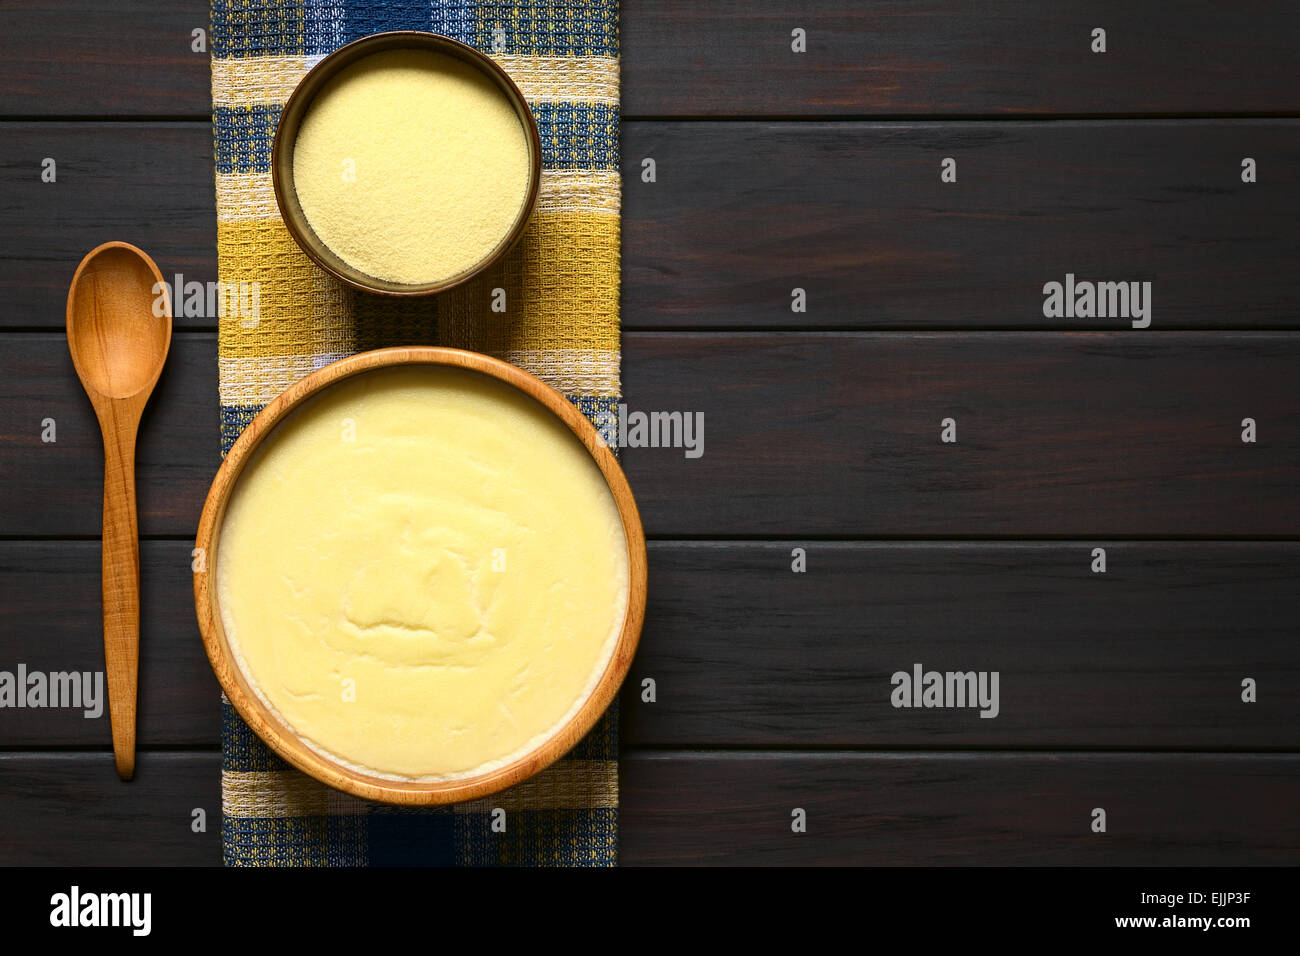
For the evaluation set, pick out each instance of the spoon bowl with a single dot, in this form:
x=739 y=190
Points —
x=119 y=329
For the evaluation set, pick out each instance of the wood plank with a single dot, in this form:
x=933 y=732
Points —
x=733 y=57
x=936 y=809
x=895 y=809
x=853 y=213
x=1077 y=435
x=856 y=215
x=745 y=653
x=50 y=621
x=150 y=184
x=1061 y=435
x=86 y=57
x=682 y=58
x=1148 y=655
x=57 y=488
x=70 y=810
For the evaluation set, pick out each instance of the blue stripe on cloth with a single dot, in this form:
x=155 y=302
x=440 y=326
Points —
x=434 y=837
x=311 y=840
x=234 y=419
x=361 y=20
x=243 y=136
x=323 y=27
x=569 y=837
x=242 y=751
x=243 y=28
x=549 y=27
x=247 y=28
x=455 y=19
x=577 y=135
x=573 y=136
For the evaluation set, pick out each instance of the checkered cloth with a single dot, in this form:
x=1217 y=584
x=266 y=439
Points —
x=561 y=282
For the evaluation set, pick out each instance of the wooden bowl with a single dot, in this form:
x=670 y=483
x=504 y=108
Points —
x=286 y=134
x=281 y=738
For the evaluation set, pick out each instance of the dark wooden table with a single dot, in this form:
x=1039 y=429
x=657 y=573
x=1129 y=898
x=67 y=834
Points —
x=779 y=170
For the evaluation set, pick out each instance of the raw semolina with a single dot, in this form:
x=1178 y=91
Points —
x=423 y=573
x=412 y=166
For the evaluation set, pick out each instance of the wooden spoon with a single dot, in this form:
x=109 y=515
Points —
x=119 y=342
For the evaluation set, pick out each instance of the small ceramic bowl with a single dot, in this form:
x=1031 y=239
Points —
x=299 y=103
x=275 y=731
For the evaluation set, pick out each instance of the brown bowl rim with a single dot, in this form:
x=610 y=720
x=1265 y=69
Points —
x=274 y=731
x=299 y=102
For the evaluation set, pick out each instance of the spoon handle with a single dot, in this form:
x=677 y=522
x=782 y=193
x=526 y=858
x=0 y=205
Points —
x=121 y=581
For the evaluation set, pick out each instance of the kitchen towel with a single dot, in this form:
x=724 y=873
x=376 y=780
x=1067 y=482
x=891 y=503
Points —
x=289 y=317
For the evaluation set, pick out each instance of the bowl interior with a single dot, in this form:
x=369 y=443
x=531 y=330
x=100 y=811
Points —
x=299 y=104
x=281 y=737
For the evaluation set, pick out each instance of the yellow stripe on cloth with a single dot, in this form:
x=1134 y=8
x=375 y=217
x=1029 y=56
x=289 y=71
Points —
x=559 y=309
x=560 y=292
x=566 y=785
x=302 y=309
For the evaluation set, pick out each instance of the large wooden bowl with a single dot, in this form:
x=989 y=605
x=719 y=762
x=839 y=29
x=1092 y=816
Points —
x=281 y=738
